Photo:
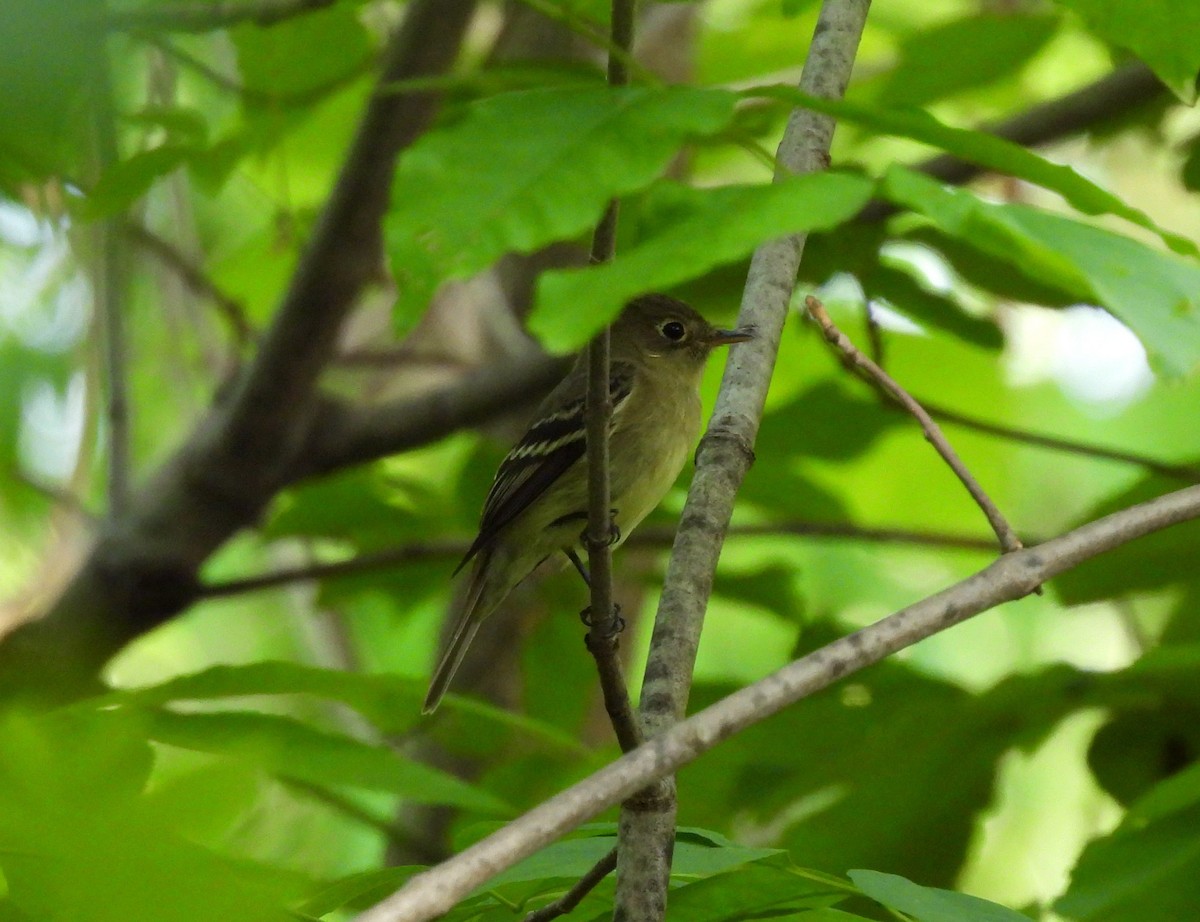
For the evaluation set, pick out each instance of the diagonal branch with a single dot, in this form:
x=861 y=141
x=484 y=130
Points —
x=887 y=385
x=1010 y=577
x=142 y=569
x=726 y=450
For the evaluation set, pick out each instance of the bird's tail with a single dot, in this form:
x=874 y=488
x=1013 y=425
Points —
x=466 y=623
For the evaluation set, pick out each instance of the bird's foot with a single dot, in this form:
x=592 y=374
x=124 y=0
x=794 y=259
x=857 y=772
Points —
x=614 y=628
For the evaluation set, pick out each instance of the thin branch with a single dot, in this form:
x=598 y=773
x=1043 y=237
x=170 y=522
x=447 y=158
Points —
x=933 y=434
x=1108 y=99
x=1187 y=473
x=603 y=621
x=109 y=293
x=647 y=536
x=230 y=309
x=208 y=17
x=582 y=887
x=1009 y=577
x=726 y=451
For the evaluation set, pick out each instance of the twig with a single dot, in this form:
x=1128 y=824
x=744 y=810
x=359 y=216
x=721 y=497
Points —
x=647 y=536
x=603 y=620
x=207 y=17
x=880 y=379
x=725 y=454
x=582 y=887
x=1184 y=472
x=109 y=294
x=193 y=276
x=1010 y=576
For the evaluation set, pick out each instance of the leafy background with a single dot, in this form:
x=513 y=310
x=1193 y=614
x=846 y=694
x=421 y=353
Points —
x=262 y=756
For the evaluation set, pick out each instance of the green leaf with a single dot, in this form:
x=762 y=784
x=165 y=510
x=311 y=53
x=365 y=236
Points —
x=1160 y=32
x=945 y=59
x=50 y=59
x=303 y=54
x=927 y=904
x=714 y=227
x=909 y=296
x=357 y=891
x=292 y=749
x=521 y=170
x=987 y=151
x=128 y=180
x=1157 y=295
x=1141 y=873
x=390 y=702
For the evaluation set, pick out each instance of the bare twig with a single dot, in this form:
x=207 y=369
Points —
x=232 y=310
x=602 y=615
x=647 y=536
x=109 y=293
x=646 y=835
x=1185 y=472
x=880 y=379
x=207 y=17
x=582 y=887
x=1009 y=577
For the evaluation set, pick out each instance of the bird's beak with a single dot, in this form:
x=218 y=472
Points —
x=729 y=337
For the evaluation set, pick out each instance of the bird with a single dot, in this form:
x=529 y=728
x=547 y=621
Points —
x=538 y=501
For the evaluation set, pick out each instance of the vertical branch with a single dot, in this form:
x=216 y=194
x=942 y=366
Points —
x=108 y=288
x=646 y=833
x=604 y=623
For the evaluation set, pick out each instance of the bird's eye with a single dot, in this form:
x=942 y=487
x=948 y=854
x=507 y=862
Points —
x=673 y=330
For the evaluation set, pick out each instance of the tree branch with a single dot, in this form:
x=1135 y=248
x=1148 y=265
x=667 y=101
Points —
x=1010 y=577
x=143 y=567
x=207 y=17
x=582 y=887
x=647 y=536
x=881 y=380
x=726 y=450
x=603 y=631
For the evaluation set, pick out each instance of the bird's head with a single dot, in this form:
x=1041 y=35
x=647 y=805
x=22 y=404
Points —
x=656 y=328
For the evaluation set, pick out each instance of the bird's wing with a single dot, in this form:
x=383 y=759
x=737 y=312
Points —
x=552 y=444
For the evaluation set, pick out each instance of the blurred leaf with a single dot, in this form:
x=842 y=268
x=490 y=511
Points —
x=391 y=703
x=1160 y=32
x=986 y=150
x=772 y=587
x=730 y=221
x=891 y=769
x=831 y=420
x=302 y=54
x=926 y=904
x=945 y=59
x=1143 y=872
x=1156 y=294
x=520 y=170
x=126 y=181
x=286 y=747
x=357 y=891
x=908 y=296
x=1138 y=749
x=50 y=58
x=992 y=274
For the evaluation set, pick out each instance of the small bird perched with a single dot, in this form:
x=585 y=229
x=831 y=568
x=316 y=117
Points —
x=538 y=502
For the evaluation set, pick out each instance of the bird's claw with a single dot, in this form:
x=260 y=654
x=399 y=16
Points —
x=616 y=625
